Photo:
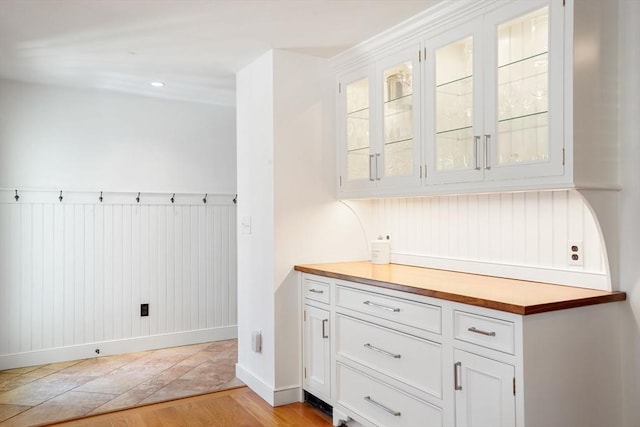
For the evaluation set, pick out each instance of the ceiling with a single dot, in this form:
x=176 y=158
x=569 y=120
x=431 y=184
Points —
x=193 y=46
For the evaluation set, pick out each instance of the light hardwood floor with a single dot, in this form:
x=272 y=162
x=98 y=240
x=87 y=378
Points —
x=237 y=407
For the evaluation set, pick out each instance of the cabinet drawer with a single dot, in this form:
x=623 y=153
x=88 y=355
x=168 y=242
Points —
x=381 y=404
x=316 y=290
x=413 y=361
x=419 y=315
x=485 y=331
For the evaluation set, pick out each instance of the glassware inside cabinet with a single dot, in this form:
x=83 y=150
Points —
x=357 y=128
x=398 y=120
x=454 y=106
x=523 y=84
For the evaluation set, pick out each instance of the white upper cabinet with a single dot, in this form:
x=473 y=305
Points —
x=356 y=149
x=488 y=103
x=454 y=105
x=523 y=108
x=379 y=124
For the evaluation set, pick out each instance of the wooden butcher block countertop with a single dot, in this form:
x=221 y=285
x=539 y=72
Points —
x=510 y=295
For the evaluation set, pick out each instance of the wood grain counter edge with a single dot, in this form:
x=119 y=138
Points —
x=601 y=298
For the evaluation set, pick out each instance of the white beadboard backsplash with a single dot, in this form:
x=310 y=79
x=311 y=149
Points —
x=76 y=272
x=503 y=234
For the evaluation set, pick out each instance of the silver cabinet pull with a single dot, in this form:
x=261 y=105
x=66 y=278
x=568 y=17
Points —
x=316 y=291
x=481 y=332
x=378 y=177
x=381 y=406
x=324 y=328
x=379 y=350
x=456 y=379
x=383 y=307
x=371 y=177
x=487 y=152
x=476 y=145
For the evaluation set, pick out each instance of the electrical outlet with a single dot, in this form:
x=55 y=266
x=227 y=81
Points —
x=576 y=254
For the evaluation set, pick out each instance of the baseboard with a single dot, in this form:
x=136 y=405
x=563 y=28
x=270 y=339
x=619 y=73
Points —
x=107 y=348
x=281 y=396
x=256 y=384
x=286 y=395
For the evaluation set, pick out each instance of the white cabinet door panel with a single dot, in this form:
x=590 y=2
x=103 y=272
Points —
x=484 y=392
x=317 y=352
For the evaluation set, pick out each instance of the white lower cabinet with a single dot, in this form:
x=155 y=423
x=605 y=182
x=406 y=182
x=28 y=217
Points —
x=317 y=352
x=389 y=359
x=383 y=357
x=484 y=391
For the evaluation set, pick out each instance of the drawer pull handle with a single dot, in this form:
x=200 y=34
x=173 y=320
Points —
x=381 y=406
x=476 y=144
x=481 y=332
x=316 y=291
x=384 y=307
x=487 y=152
x=371 y=160
x=379 y=350
x=324 y=328
x=456 y=379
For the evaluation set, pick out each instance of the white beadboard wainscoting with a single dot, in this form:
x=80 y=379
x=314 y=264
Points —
x=73 y=273
x=522 y=235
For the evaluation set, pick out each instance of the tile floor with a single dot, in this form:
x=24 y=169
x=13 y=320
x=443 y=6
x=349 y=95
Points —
x=42 y=394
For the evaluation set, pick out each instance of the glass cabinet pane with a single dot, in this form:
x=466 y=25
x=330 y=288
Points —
x=358 y=142
x=398 y=120
x=523 y=84
x=454 y=106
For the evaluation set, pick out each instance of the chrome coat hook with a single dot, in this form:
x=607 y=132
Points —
x=205 y=199
x=100 y=198
x=60 y=197
x=16 y=196
x=173 y=197
x=138 y=198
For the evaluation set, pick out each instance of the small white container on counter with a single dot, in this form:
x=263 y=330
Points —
x=380 y=251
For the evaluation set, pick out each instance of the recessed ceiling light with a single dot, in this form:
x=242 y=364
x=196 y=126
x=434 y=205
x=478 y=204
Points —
x=157 y=84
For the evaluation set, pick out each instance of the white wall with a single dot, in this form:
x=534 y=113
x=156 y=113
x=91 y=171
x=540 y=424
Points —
x=254 y=103
x=74 y=273
x=64 y=138
x=310 y=224
x=96 y=262
x=286 y=182
x=629 y=133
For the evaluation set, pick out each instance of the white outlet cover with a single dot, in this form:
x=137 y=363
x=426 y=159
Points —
x=580 y=252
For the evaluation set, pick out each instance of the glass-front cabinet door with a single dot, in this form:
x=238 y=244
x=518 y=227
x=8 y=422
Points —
x=355 y=131
x=524 y=102
x=379 y=125
x=398 y=160
x=455 y=118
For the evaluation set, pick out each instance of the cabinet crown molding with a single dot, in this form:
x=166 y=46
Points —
x=431 y=20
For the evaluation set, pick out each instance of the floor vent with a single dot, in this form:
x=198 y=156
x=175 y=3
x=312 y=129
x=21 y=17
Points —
x=318 y=403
